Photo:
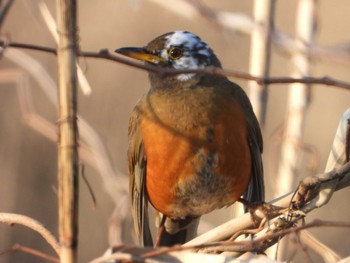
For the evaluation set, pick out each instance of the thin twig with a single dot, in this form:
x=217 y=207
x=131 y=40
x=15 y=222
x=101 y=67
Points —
x=5 y=11
x=88 y=185
x=28 y=250
x=105 y=54
x=33 y=224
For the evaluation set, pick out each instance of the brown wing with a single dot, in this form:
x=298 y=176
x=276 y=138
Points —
x=256 y=188
x=137 y=187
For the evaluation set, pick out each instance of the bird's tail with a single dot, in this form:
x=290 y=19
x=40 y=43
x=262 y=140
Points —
x=177 y=231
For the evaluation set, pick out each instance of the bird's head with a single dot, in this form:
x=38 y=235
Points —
x=175 y=50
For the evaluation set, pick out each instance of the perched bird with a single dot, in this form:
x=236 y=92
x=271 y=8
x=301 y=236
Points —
x=194 y=142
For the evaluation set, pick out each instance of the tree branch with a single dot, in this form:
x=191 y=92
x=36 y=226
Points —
x=105 y=54
x=185 y=252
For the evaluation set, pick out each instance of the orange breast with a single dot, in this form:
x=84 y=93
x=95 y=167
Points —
x=192 y=171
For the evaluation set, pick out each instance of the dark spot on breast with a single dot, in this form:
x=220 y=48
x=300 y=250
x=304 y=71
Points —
x=210 y=135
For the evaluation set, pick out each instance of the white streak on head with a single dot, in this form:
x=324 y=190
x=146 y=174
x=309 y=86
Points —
x=182 y=37
x=193 y=47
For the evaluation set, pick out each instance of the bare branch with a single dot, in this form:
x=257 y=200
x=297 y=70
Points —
x=310 y=241
x=301 y=206
x=89 y=187
x=91 y=148
x=68 y=159
x=33 y=224
x=183 y=254
x=28 y=250
x=105 y=54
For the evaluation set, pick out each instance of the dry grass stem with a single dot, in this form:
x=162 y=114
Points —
x=68 y=159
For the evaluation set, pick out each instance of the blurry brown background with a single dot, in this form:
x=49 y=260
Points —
x=28 y=160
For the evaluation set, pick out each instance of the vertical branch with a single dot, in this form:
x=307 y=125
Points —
x=260 y=50
x=298 y=101
x=68 y=133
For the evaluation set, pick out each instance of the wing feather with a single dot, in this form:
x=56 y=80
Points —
x=137 y=186
x=256 y=189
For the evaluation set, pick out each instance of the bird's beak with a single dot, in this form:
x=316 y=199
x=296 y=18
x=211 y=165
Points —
x=140 y=54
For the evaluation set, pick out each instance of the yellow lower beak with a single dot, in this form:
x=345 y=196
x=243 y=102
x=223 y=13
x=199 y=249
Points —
x=140 y=54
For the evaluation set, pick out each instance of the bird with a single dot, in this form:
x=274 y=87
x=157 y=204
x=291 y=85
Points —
x=195 y=144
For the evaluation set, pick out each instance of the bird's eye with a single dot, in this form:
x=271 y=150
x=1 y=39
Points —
x=175 y=52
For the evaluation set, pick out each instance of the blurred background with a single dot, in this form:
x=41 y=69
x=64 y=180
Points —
x=28 y=156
